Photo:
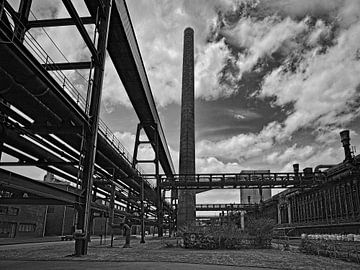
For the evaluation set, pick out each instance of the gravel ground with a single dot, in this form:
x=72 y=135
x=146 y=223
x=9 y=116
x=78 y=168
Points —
x=154 y=250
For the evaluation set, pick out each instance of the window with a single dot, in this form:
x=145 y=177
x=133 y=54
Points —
x=26 y=227
x=51 y=209
x=5 y=227
x=13 y=211
x=3 y=210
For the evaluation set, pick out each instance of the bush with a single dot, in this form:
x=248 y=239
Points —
x=229 y=236
x=260 y=227
x=348 y=251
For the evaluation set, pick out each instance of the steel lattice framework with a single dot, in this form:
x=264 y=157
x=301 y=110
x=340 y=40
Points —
x=46 y=122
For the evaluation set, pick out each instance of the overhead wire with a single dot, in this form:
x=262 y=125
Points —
x=57 y=47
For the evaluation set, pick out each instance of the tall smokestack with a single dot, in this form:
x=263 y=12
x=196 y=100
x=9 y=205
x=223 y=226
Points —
x=345 y=139
x=186 y=204
x=296 y=169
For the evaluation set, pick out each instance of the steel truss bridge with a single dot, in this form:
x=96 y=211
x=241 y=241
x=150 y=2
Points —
x=240 y=180
x=226 y=207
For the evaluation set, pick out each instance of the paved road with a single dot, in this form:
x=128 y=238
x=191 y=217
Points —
x=41 y=244
x=45 y=243
x=84 y=265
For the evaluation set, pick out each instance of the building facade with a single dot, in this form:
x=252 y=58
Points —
x=22 y=221
x=331 y=207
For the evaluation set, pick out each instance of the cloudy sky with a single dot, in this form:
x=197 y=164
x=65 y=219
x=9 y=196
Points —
x=275 y=80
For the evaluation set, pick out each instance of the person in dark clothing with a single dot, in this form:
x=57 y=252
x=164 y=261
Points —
x=127 y=230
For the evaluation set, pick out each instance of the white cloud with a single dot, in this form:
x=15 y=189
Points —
x=64 y=44
x=242 y=146
x=302 y=8
x=162 y=52
x=114 y=92
x=328 y=156
x=321 y=31
x=290 y=154
x=213 y=165
x=324 y=89
x=262 y=38
x=209 y=64
x=241 y=114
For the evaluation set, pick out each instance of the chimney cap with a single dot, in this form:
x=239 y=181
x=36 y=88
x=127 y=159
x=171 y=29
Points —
x=345 y=135
x=188 y=30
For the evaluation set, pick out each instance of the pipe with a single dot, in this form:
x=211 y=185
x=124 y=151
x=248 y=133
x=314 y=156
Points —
x=345 y=140
x=296 y=169
x=323 y=166
x=6 y=80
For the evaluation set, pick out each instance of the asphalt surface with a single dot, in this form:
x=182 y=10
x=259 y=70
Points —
x=83 y=265
x=17 y=246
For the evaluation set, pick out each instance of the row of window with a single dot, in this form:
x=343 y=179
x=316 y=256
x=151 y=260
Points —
x=27 y=227
x=7 y=227
x=8 y=210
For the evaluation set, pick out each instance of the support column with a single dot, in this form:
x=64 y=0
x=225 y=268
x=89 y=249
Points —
x=305 y=208
x=357 y=196
x=242 y=220
x=345 y=200
x=142 y=211
x=321 y=207
x=336 y=206
x=313 y=206
x=298 y=218
x=289 y=211
x=111 y=214
x=330 y=205
x=279 y=213
x=160 y=216
x=155 y=161
x=317 y=207
x=338 y=197
x=325 y=206
x=82 y=228
x=351 y=198
x=3 y=118
x=319 y=203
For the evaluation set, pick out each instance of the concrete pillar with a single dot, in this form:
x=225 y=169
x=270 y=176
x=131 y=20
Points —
x=279 y=213
x=289 y=211
x=345 y=201
x=242 y=220
x=186 y=205
x=357 y=195
x=330 y=205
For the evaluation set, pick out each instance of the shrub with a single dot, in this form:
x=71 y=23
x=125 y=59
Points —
x=229 y=236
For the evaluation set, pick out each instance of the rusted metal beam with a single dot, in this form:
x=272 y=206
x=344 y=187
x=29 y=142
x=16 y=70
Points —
x=81 y=243
x=58 y=22
x=67 y=66
x=32 y=201
x=80 y=26
x=36 y=163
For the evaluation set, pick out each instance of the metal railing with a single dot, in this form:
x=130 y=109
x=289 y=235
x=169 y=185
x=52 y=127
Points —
x=221 y=206
x=245 y=180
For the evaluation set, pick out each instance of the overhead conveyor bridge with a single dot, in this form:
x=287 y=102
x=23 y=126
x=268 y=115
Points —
x=45 y=122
